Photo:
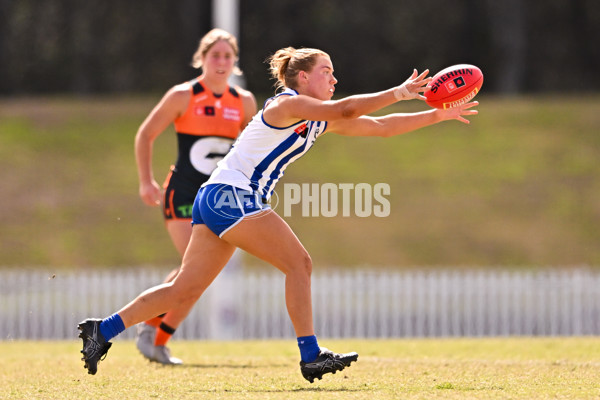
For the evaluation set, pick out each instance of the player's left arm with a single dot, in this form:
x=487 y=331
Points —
x=397 y=124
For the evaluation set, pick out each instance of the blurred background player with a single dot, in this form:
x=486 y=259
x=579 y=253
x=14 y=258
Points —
x=208 y=115
x=232 y=208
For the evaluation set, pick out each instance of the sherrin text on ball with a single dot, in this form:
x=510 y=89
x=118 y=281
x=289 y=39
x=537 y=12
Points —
x=454 y=86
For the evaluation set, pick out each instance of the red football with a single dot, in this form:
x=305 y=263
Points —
x=454 y=86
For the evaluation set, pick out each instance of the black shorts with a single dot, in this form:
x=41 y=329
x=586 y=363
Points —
x=180 y=193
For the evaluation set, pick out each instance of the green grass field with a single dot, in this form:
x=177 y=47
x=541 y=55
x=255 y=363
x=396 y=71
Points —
x=520 y=187
x=487 y=368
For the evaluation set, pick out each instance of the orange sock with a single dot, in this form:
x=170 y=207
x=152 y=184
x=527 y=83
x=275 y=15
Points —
x=163 y=334
x=155 y=322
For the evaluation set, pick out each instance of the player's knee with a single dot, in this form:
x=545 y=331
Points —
x=187 y=297
x=308 y=264
x=184 y=292
x=304 y=264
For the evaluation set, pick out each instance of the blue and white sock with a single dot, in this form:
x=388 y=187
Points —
x=309 y=348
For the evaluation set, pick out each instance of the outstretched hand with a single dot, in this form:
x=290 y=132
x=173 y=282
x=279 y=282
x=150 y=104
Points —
x=458 y=112
x=413 y=87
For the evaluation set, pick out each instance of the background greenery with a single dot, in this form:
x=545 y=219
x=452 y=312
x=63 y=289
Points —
x=520 y=186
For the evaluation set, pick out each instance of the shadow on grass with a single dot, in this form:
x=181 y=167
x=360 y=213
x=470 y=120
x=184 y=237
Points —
x=232 y=366
x=331 y=389
x=315 y=389
x=291 y=390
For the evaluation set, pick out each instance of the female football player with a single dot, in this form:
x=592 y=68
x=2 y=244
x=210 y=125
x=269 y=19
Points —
x=208 y=115
x=232 y=208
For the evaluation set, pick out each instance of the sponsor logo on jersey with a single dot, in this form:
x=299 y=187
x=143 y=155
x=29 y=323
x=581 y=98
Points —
x=302 y=130
x=232 y=114
x=209 y=111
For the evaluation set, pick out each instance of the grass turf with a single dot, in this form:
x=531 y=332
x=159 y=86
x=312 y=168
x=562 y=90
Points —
x=480 y=368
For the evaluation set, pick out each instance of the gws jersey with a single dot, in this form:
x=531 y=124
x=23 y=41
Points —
x=262 y=152
x=206 y=131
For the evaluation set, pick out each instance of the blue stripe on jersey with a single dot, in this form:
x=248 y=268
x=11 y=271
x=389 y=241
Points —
x=262 y=117
x=284 y=161
x=264 y=164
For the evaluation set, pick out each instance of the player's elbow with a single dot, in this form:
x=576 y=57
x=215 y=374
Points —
x=381 y=129
x=142 y=137
x=349 y=111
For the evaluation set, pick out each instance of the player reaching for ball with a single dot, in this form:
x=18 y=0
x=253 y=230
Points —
x=208 y=115
x=232 y=210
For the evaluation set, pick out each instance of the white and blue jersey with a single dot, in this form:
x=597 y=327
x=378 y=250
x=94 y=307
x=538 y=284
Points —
x=262 y=152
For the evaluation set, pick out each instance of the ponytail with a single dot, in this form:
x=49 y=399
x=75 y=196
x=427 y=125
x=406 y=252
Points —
x=286 y=63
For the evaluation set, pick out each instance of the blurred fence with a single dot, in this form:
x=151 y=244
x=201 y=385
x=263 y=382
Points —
x=355 y=303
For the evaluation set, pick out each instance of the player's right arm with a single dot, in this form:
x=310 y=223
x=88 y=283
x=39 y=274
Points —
x=286 y=110
x=172 y=105
x=400 y=123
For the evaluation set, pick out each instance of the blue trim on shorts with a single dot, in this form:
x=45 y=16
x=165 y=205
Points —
x=220 y=207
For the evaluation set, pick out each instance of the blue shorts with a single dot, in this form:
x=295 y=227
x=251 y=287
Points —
x=220 y=207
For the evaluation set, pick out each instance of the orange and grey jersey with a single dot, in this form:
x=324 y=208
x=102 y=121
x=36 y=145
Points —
x=205 y=133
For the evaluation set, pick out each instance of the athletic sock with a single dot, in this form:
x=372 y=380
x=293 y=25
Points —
x=111 y=326
x=155 y=322
x=309 y=348
x=163 y=334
